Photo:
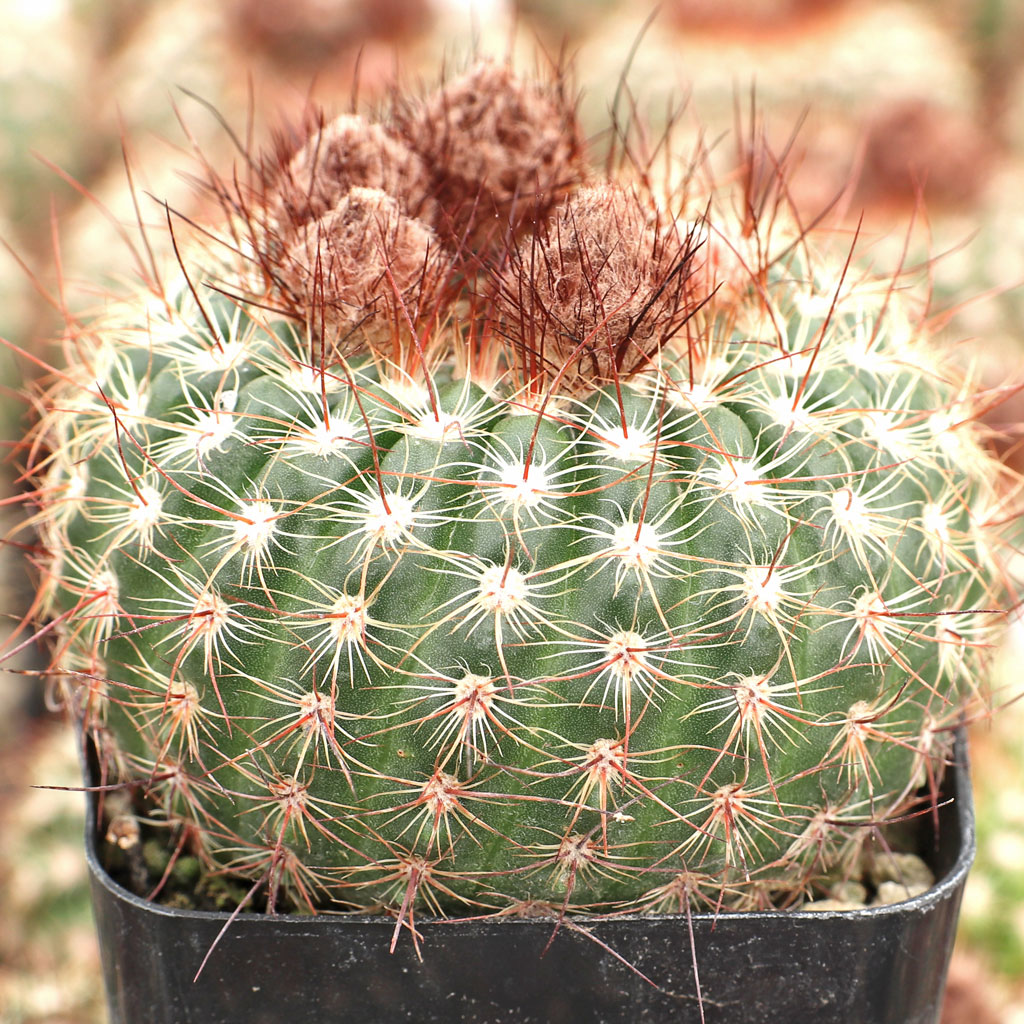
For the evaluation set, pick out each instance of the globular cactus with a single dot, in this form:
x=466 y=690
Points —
x=518 y=534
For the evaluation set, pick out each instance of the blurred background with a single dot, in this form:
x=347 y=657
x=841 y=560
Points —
x=910 y=112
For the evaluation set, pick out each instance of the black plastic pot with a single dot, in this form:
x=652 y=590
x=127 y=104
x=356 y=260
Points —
x=884 y=965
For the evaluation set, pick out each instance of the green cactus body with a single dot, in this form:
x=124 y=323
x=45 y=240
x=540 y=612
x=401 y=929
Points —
x=382 y=636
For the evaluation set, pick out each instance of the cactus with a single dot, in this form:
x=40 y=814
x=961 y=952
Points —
x=457 y=528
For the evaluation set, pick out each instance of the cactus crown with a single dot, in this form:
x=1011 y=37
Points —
x=455 y=527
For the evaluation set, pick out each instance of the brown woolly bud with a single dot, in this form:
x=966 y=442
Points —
x=361 y=273
x=348 y=152
x=500 y=150
x=594 y=295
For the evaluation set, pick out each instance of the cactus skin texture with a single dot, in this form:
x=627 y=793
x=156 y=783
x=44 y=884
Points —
x=656 y=566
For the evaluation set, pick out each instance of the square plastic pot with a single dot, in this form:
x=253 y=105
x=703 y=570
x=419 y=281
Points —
x=880 y=965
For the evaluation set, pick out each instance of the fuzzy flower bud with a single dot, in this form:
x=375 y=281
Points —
x=597 y=293
x=348 y=152
x=500 y=150
x=362 y=271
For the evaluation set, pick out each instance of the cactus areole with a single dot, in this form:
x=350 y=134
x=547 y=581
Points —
x=454 y=527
